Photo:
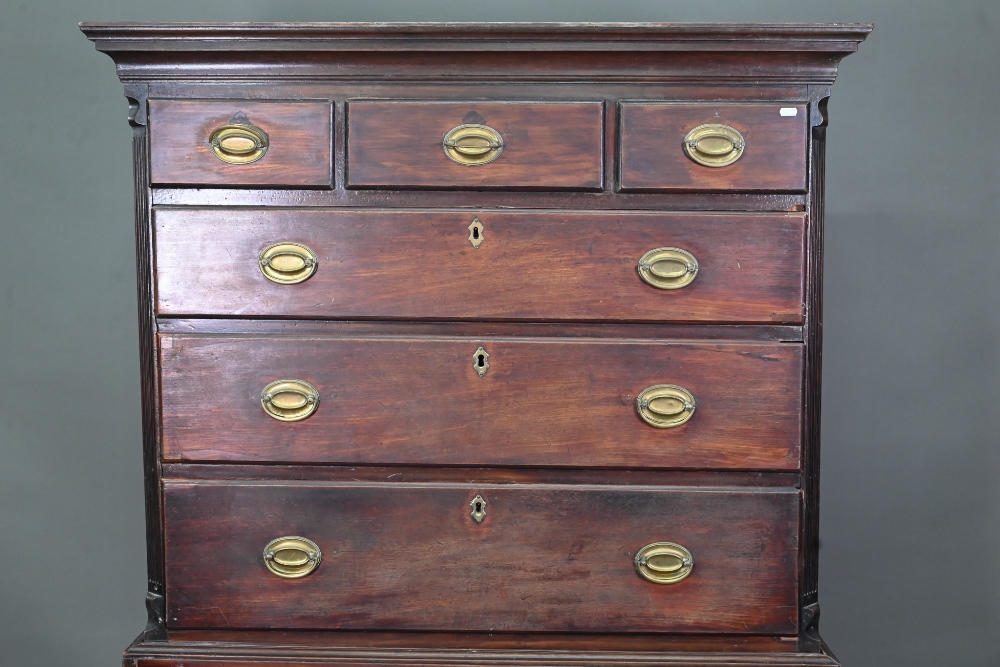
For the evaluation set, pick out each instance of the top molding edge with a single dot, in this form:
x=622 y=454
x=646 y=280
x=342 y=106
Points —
x=128 y=36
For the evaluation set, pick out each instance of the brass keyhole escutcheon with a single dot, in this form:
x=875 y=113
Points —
x=476 y=231
x=478 y=507
x=481 y=361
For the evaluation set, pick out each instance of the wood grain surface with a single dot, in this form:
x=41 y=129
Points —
x=501 y=645
x=529 y=265
x=652 y=156
x=411 y=557
x=542 y=402
x=546 y=145
x=300 y=152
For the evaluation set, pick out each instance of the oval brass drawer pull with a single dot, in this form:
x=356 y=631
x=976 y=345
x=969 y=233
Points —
x=289 y=400
x=292 y=557
x=664 y=562
x=288 y=263
x=714 y=145
x=668 y=268
x=239 y=141
x=665 y=405
x=472 y=145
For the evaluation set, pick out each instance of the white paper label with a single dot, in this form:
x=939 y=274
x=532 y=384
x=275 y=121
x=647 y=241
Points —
x=789 y=111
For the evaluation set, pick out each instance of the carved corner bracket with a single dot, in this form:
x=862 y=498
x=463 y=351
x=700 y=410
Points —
x=156 y=612
x=136 y=94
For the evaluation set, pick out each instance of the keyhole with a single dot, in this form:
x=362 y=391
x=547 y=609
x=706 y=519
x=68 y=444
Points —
x=478 y=506
x=481 y=361
x=477 y=233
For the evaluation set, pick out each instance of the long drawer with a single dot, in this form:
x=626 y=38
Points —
x=500 y=401
x=481 y=265
x=413 y=557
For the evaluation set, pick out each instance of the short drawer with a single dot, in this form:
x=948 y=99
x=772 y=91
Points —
x=528 y=145
x=488 y=264
x=241 y=143
x=750 y=147
x=466 y=401
x=413 y=557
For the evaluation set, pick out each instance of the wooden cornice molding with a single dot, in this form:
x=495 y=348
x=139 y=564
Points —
x=508 y=51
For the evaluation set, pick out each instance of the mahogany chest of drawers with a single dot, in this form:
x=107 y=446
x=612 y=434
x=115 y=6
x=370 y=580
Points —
x=475 y=345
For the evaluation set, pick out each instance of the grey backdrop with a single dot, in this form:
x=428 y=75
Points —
x=910 y=567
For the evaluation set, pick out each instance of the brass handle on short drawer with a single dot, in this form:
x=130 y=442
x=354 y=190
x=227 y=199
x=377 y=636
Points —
x=714 y=145
x=289 y=400
x=665 y=405
x=287 y=263
x=664 y=562
x=472 y=145
x=668 y=268
x=292 y=557
x=239 y=141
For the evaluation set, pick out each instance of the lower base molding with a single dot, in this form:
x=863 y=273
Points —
x=377 y=649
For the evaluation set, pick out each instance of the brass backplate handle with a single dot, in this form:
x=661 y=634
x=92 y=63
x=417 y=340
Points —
x=665 y=405
x=292 y=557
x=714 y=145
x=664 y=562
x=472 y=145
x=287 y=263
x=239 y=141
x=668 y=268
x=289 y=400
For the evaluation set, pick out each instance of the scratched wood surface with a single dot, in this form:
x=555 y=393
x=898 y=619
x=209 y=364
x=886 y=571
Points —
x=510 y=646
x=652 y=156
x=410 y=557
x=529 y=265
x=300 y=151
x=420 y=401
x=546 y=145
x=641 y=75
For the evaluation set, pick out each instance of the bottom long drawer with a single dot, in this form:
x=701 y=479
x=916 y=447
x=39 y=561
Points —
x=480 y=558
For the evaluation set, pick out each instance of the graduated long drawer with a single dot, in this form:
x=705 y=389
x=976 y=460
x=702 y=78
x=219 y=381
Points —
x=459 y=401
x=407 y=556
x=482 y=265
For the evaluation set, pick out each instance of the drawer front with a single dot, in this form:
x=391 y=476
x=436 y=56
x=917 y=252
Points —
x=544 y=145
x=411 y=557
x=483 y=402
x=654 y=157
x=298 y=137
x=580 y=266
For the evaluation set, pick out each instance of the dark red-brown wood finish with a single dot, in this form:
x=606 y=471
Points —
x=374 y=264
x=569 y=549
x=545 y=146
x=539 y=403
x=774 y=157
x=299 y=152
x=592 y=175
